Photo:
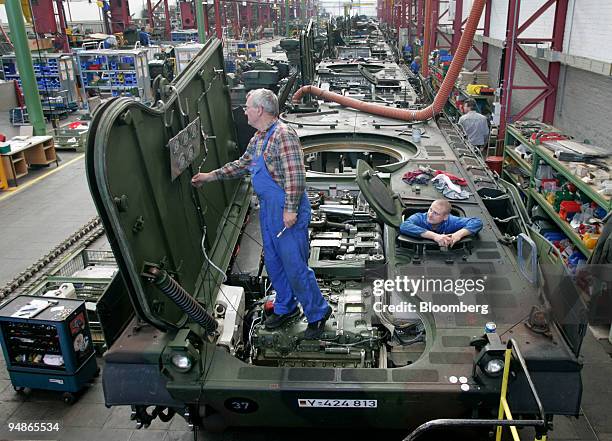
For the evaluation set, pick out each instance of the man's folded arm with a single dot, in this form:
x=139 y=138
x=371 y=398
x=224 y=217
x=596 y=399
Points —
x=414 y=226
x=472 y=225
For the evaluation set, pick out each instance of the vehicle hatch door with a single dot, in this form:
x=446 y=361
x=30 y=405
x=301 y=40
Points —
x=140 y=161
x=382 y=200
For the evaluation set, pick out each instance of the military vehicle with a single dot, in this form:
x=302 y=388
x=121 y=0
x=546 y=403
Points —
x=191 y=263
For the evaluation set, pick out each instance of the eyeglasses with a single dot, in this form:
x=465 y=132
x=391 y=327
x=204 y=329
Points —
x=435 y=213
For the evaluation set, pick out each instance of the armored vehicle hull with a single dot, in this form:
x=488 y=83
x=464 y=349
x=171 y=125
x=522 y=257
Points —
x=390 y=356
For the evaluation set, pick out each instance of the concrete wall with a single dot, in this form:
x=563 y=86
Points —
x=584 y=106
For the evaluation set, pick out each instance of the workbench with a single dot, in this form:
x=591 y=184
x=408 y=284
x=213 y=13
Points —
x=34 y=150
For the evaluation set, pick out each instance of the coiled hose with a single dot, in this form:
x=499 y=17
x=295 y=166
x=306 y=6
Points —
x=403 y=114
x=183 y=299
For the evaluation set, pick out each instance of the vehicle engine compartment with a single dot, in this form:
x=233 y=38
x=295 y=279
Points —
x=345 y=233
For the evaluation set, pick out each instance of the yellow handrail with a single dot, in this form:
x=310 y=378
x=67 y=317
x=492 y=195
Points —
x=504 y=408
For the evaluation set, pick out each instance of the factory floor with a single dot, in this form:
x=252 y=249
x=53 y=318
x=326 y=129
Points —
x=52 y=203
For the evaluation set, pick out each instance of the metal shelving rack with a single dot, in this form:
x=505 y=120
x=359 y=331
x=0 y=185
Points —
x=55 y=78
x=110 y=72
x=540 y=153
x=185 y=36
x=184 y=53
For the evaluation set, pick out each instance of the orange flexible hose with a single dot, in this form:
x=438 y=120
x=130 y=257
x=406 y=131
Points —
x=441 y=97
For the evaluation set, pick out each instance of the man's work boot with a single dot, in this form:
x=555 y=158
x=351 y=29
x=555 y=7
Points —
x=315 y=329
x=275 y=321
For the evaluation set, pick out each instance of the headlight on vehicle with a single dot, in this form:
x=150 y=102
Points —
x=494 y=367
x=182 y=362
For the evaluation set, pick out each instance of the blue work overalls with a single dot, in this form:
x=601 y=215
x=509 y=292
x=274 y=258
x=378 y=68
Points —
x=286 y=257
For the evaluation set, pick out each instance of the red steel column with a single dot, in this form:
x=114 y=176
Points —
x=259 y=14
x=420 y=19
x=397 y=9
x=249 y=16
x=206 y=21
x=409 y=24
x=150 y=14
x=510 y=44
x=457 y=25
x=384 y=11
x=62 y=26
x=223 y=7
x=486 y=33
x=167 y=27
x=554 y=68
x=426 y=37
x=435 y=22
x=236 y=24
x=218 y=25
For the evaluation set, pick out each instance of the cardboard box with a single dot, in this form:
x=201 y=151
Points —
x=41 y=43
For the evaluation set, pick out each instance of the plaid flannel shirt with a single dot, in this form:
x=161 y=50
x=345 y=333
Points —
x=283 y=158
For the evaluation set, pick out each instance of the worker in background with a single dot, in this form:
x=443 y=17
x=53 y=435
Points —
x=110 y=42
x=415 y=66
x=275 y=160
x=439 y=225
x=475 y=126
x=407 y=52
x=144 y=37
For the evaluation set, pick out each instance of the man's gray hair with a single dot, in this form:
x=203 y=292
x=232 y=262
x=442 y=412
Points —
x=265 y=99
x=471 y=103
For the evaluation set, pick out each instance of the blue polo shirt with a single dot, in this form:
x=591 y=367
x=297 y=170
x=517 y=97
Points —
x=414 y=67
x=417 y=224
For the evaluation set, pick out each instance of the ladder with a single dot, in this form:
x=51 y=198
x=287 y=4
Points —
x=504 y=418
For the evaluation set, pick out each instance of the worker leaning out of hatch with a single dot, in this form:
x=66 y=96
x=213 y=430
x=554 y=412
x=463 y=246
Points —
x=275 y=160
x=439 y=225
x=475 y=126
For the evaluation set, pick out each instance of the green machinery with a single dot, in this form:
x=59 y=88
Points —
x=199 y=348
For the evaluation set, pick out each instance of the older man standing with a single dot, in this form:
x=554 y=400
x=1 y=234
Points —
x=475 y=126
x=275 y=160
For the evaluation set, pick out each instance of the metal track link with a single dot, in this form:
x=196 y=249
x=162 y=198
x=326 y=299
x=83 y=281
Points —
x=26 y=279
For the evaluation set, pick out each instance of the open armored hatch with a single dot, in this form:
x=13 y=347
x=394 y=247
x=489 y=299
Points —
x=140 y=161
